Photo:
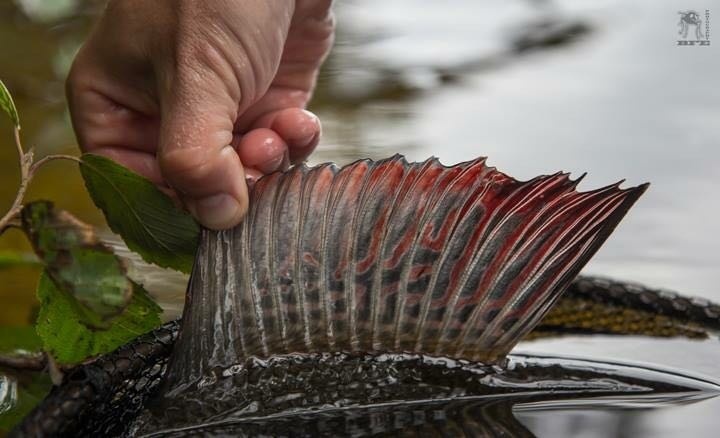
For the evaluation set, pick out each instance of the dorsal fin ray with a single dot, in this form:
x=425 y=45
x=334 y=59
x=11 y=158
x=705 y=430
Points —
x=390 y=256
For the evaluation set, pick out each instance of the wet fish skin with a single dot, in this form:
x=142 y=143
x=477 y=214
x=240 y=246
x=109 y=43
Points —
x=596 y=305
x=374 y=258
x=388 y=255
x=62 y=412
x=316 y=384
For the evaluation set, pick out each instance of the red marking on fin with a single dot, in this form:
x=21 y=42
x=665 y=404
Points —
x=391 y=256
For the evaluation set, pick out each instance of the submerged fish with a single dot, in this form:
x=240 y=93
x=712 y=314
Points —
x=380 y=297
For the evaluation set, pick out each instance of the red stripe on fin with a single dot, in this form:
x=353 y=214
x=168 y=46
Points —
x=390 y=256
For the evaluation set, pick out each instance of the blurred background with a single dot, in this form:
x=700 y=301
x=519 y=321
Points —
x=536 y=85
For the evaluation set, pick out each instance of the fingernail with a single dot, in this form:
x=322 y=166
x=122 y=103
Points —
x=312 y=136
x=217 y=212
x=305 y=141
x=312 y=116
x=271 y=165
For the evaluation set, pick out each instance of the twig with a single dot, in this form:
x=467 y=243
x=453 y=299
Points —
x=29 y=362
x=28 y=168
x=49 y=158
x=56 y=373
x=18 y=143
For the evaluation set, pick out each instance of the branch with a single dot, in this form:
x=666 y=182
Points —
x=41 y=361
x=25 y=160
x=55 y=371
x=29 y=362
x=46 y=159
x=28 y=169
x=18 y=143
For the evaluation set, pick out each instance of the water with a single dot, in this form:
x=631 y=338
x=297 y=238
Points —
x=620 y=101
x=623 y=101
x=364 y=394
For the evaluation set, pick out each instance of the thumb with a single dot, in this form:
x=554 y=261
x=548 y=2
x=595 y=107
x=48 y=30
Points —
x=195 y=153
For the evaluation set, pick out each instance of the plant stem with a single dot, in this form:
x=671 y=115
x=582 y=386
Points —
x=18 y=143
x=16 y=206
x=37 y=362
x=24 y=159
x=55 y=371
x=31 y=362
x=48 y=158
x=28 y=168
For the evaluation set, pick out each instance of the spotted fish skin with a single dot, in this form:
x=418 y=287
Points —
x=596 y=305
x=311 y=388
x=461 y=261
x=103 y=397
x=377 y=257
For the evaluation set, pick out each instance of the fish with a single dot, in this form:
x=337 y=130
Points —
x=379 y=297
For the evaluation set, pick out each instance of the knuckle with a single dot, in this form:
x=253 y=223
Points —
x=186 y=168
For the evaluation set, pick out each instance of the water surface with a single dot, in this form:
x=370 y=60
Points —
x=599 y=86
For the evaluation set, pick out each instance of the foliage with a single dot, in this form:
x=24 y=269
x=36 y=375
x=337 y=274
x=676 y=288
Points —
x=78 y=262
x=88 y=304
x=70 y=341
x=145 y=217
x=8 y=105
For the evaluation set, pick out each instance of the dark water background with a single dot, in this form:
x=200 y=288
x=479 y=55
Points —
x=538 y=86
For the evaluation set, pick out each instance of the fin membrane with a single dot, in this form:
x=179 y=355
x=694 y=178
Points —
x=460 y=261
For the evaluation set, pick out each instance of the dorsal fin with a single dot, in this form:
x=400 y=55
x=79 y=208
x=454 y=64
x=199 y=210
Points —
x=459 y=261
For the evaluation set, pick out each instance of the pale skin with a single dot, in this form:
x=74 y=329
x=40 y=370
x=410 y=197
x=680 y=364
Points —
x=198 y=95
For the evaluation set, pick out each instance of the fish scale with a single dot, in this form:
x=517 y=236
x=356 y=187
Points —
x=103 y=399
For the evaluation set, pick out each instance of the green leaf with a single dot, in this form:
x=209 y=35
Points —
x=19 y=394
x=7 y=104
x=70 y=341
x=11 y=259
x=142 y=215
x=86 y=270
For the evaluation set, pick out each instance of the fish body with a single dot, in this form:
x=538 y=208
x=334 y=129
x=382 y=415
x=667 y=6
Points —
x=112 y=396
x=116 y=395
x=371 y=292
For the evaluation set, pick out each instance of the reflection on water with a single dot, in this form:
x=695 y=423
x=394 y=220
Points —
x=470 y=418
x=537 y=86
x=696 y=420
x=363 y=395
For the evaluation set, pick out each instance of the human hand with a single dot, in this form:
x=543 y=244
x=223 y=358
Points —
x=197 y=95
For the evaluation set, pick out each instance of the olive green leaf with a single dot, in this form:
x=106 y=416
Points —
x=7 y=104
x=82 y=267
x=142 y=215
x=71 y=342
